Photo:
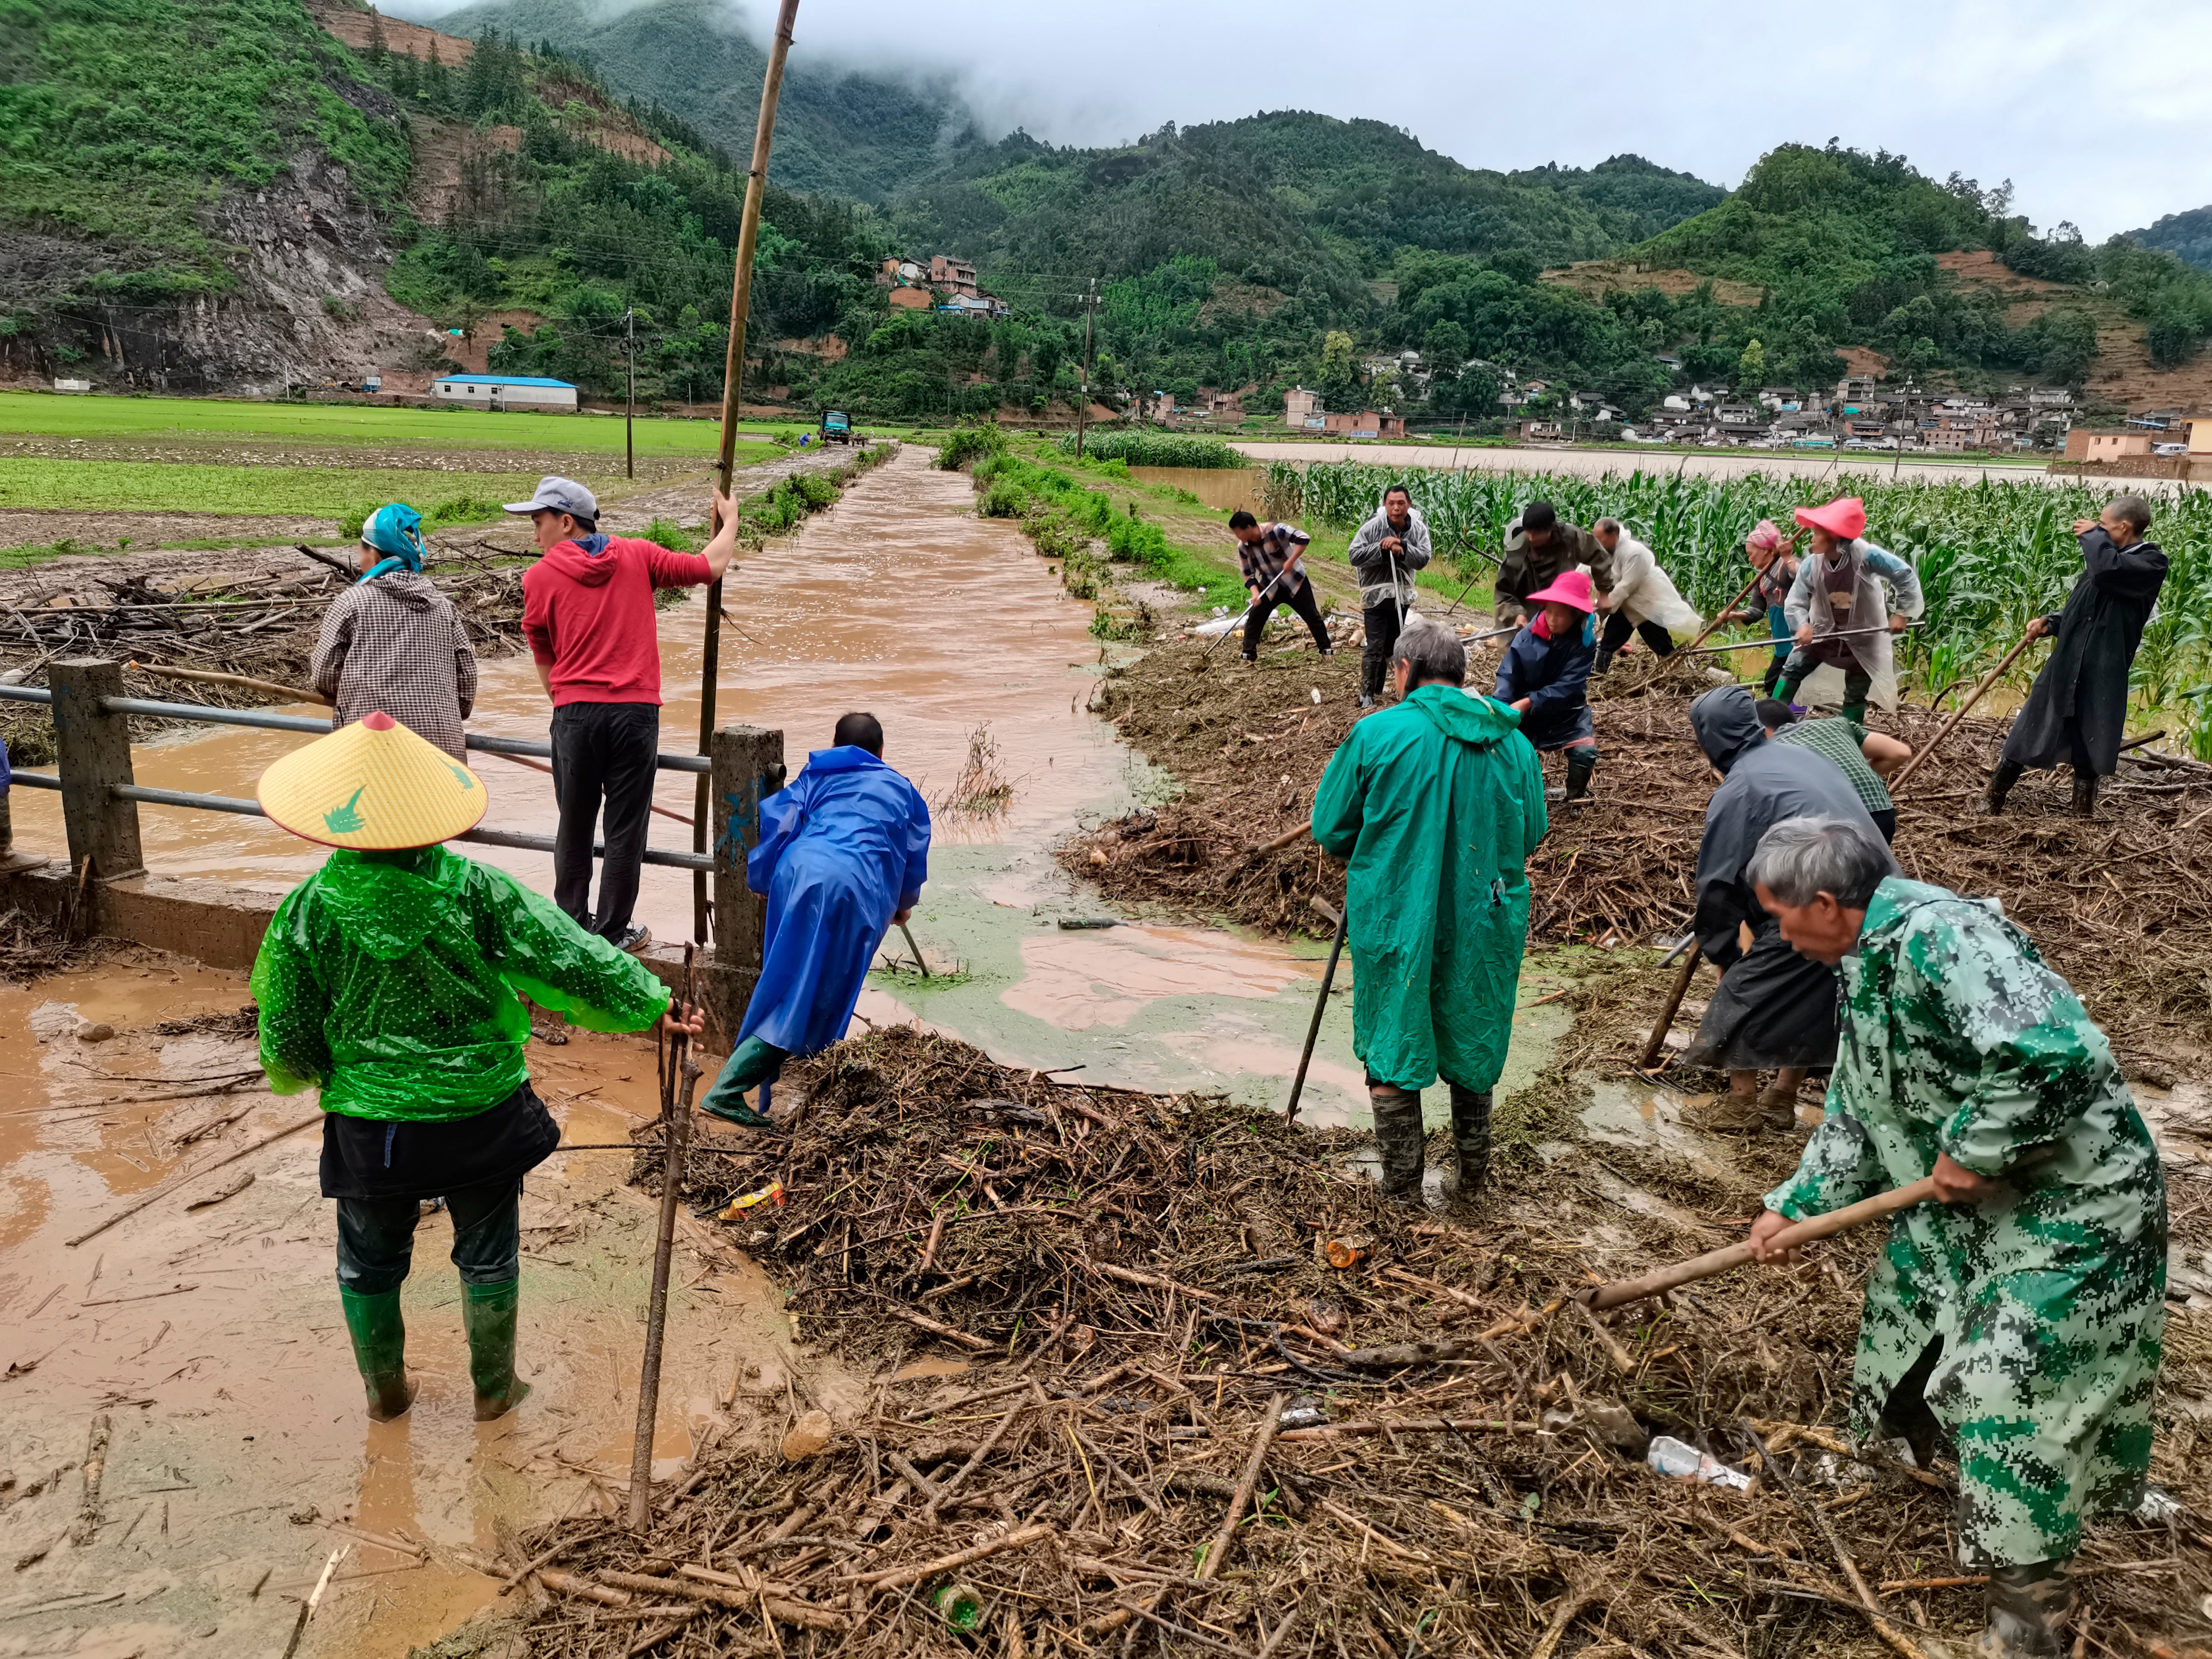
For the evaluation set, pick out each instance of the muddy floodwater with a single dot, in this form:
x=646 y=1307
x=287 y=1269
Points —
x=209 y=1339
x=1225 y=487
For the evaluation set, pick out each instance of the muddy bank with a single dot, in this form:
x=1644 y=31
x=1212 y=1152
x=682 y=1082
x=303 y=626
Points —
x=2114 y=903
x=1202 y=1381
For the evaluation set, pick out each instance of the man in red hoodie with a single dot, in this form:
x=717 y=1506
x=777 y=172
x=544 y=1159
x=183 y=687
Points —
x=588 y=612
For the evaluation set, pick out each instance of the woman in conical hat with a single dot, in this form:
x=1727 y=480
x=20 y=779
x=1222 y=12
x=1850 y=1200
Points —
x=392 y=980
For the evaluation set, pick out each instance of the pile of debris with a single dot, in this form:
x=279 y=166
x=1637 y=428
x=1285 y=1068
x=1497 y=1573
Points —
x=1219 y=1400
x=2114 y=903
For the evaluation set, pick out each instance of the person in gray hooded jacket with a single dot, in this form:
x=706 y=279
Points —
x=1384 y=554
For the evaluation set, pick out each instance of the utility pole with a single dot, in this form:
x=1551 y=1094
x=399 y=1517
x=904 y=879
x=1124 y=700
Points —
x=629 y=406
x=1083 y=403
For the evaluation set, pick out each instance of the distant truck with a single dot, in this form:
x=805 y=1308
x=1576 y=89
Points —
x=836 y=427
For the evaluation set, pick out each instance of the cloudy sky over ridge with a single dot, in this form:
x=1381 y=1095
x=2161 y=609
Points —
x=2096 y=113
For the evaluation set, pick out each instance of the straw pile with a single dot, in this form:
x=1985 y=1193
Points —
x=2114 y=903
x=1183 y=1432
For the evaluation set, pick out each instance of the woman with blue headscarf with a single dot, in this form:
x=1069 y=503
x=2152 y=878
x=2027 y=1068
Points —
x=392 y=641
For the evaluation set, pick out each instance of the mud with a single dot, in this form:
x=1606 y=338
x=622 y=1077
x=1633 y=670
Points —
x=212 y=1341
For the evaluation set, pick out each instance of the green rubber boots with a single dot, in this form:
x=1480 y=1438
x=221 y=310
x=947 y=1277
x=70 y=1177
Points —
x=488 y=1311
x=380 y=1349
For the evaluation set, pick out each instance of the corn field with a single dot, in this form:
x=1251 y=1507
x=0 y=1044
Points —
x=1141 y=447
x=1991 y=555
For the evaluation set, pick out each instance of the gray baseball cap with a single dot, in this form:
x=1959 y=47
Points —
x=560 y=496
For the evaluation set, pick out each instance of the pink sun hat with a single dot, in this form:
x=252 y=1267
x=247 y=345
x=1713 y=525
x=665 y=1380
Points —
x=1568 y=587
x=1844 y=517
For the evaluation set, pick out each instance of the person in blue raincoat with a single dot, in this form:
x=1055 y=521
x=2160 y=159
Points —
x=843 y=851
x=1545 y=676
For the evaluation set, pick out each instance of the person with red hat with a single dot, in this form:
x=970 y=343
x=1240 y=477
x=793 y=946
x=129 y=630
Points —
x=1838 y=614
x=1546 y=675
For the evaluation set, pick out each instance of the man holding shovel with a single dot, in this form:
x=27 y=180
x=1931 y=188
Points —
x=1273 y=556
x=1384 y=554
x=2021 y=1320
x=1437 y=804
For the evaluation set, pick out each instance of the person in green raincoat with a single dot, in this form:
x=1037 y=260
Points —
x=2022 y=1318
x=1436 y=803
x=393 y=979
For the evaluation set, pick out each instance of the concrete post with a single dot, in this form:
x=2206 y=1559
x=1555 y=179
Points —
x=748 y=764
x=93 y=751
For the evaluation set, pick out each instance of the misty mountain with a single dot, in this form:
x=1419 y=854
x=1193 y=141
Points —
x=2188 y=235
x=839 y=132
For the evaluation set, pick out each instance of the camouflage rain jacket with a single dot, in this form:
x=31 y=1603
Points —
x=2050 y=1298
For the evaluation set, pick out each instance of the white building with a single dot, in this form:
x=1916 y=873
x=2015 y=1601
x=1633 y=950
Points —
x=528 y=391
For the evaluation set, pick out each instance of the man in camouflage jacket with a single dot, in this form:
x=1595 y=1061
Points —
x=2027 y=1310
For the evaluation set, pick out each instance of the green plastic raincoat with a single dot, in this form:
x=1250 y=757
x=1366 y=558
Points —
x=1437 y=804
x=391 y=979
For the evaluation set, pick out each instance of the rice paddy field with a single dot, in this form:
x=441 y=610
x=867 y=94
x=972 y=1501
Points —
x=1991 y=555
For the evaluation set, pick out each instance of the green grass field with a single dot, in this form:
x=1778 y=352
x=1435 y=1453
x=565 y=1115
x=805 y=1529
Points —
x=53 y=416
x=332 y=491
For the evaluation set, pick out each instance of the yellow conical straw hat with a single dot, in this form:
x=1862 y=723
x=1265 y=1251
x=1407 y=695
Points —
x=374 y=786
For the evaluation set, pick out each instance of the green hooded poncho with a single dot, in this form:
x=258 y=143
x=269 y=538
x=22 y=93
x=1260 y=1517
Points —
x=1437 y=804
x=392 y=980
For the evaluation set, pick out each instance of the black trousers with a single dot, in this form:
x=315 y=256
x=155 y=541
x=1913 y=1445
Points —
x=602 y=751
x=1618 y=627
x=1382 y=624
x=1300 y=599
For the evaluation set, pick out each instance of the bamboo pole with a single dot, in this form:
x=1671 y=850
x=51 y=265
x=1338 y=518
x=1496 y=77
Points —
x=1725 y=609
x=1959 y=713
x=733 y=372
x=242 y=682
x=681 y=1078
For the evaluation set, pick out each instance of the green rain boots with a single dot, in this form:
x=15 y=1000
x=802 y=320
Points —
x=380 y=1349
x=754 y=1062
x=487 y=1312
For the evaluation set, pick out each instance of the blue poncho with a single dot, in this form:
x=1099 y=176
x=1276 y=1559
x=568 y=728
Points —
x=844 y=848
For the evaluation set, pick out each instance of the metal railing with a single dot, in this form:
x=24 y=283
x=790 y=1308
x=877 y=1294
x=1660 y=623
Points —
x=213 y=715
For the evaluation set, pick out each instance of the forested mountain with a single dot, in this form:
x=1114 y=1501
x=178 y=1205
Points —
x=2188 y=235
x=839 y=132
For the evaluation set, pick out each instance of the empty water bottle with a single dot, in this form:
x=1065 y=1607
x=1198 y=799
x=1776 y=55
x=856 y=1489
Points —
x=1672 y=1457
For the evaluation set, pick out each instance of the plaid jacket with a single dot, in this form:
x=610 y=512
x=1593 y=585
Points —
x=1263 y=560
x=398 y=644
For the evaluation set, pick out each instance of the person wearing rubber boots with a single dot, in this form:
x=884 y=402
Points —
x=1384 y=553
x=1436 y=804
x=1540 y=547
x=843 y=853
x=2077 y=711
x=1545 y=677
x=392 y=980
x=1840 y=616
x=2019 y=1321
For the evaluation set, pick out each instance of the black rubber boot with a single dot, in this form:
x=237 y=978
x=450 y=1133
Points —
x=1398 y=1140
x=1470 y=1113
x=2028 y=1609
x=1581 y=762
x=1772 y=677
x=2001 y=783
x=2085 y=794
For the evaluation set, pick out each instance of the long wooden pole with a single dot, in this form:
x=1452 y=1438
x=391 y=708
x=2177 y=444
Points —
x=1959 y=713
x=1321 y=1006
x=1725 y=609
x=1650 y=1056
x=1762 y=644
x=681 y=1078
x=734 y=373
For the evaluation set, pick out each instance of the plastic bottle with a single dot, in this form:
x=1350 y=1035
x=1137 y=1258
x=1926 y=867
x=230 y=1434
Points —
x=1672 y=1457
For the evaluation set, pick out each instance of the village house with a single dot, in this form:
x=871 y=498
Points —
x=1302 y=407
x=952 y=274
x=1366 y=424
x=529 y=392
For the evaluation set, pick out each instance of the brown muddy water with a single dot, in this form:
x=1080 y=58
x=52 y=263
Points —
x=1225 y=487
x=897 y=600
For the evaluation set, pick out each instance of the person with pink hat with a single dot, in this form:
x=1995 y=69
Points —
x=1837 y=608
x=1774 y=556
x=1546 y=675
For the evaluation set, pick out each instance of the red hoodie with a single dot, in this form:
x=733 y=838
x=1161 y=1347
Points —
x=587 y=613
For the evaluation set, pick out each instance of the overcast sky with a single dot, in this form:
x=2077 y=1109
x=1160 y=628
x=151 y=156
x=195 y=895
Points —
x=2096 y=113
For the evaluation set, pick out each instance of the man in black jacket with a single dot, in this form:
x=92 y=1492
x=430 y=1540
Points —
x=2078 y=710
x=1773 y=1008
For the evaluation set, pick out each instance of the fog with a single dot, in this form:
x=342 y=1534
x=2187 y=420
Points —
x=2094 y=113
